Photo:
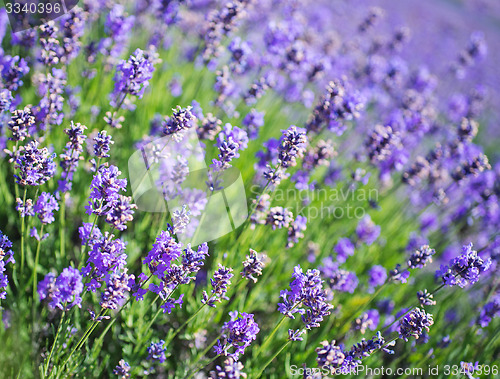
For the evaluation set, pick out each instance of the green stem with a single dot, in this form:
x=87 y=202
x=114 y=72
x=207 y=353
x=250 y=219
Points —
x=270 y=337
x=207 y=349
x=156 y=314
x=54 y=343
x=23 y=227
x=110 y=324
x=184 y=324
x=85 y=336
x=35 y=268
x=84 y=249
x=272 y=359
x=202 y=367
x=62 y=229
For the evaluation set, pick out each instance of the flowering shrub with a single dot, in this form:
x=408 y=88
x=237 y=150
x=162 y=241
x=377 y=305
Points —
x=366 y=153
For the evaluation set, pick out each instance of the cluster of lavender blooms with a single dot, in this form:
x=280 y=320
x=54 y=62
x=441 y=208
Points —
x=366 y=231
x=278 y=218
x=236 y=335
x=230 y=141
x=71 y=155
x=13 y=70
x=334 y=358
x=45 y=206
x=418 y=259
x=337 y=278
x=181 y=119
x=253 y=265
x=230 y=369
x=306 y=297
x=336 y=106
x=51 y=87
x=161 y=264
x=414 y=323
x=105 y=198
x=132 y=76
x=21 y=123
x=122 y=369
x=290 y=147
x=489 y=311
x=6 y=256
x=62 y=291
x=464 y=269
x=156 y=351
x=220 y=283
x=35 y=165
x=106 y=254
x=368 y=320
x=288 y=46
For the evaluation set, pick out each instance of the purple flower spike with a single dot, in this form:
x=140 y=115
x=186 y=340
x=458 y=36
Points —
x=117 y=285
x=45 y=207
x=102 y=144
x=296 y=230
x=21 y=123
x=6 y=256
x=230 y=369
x=132 y=76
x=368 y=320
x=237 y=335
x=306 y=297
x=344 y=249
x=464 y=269
x=105 y=188
x=156 y=351
x=122 y=369
x=35 y=165
x=367 y=231
x=414 y=324
x=377 y=276
x=165 y=250
x=220 y=283
x=62 y=291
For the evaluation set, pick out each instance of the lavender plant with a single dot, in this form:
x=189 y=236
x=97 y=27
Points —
x=385 y=128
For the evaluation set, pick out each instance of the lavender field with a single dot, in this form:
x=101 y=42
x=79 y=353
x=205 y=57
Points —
x=250 y=189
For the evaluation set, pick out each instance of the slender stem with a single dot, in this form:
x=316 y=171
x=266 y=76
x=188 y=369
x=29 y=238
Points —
x=202 y=367
x=184 y=324
x=62 y=228
x=272 y=359
x=140 y=339
x=270 y=337
x=207 y=349
x=23 y=227
x=84 y=249
x=110 y=324
x=37 y=257
x=85 y=336
x=55 y=342
x=156 y=314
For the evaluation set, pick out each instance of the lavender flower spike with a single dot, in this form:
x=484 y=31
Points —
x=6 y=256
x=237 y=335
x=220 y=283
x=414 y=324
